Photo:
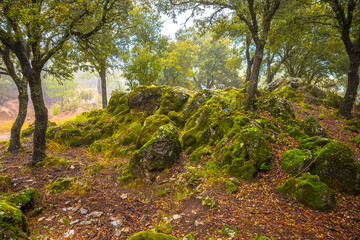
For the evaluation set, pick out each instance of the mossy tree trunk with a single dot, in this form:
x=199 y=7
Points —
x=23 y=97
x=249 y=59
x=254 y=77
x=41 y=117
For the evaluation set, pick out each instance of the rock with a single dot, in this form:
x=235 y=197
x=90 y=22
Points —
x=117 y=233
x=41 y=219
x=124 y=196
x=280 y=108
x=96 y=214
x=74 y=222
x=337 y=166
x=156 y=155
x=69 y=233
x=83 y=211
x=274 y=84
x=150 y=235
x=313 y=128
x=25 y=197
x=50 y=218
x=295 y=161
x=117 y=223
x=144 y=218
x=13 y=223
x=145 y=98
x=176 y=217
x=310 y=191
x=83 y=223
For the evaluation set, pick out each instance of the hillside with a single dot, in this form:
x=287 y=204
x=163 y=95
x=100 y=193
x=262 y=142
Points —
x=179 y=162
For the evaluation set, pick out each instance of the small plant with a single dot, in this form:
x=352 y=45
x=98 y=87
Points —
x=264 y=166
x=163 y=192
x=80 y=186
x=232 y=185
x=208 y=202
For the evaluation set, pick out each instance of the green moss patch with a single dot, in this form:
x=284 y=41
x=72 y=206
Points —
x=310 y=191
x=150 y=235
x=13 y=223
x=295 y=161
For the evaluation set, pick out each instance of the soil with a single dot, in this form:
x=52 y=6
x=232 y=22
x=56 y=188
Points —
x=257 y=209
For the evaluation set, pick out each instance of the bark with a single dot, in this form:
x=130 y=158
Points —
x=41 y=117
x=352 y=87
x=259 y=52
x=249 y=59
x=23 y=97
x=102 y=74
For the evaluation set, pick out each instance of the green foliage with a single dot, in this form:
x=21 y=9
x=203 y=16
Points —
x=295 y=161
x=60 y=185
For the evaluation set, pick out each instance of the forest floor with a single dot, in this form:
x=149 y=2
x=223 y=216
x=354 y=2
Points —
x=98 y=208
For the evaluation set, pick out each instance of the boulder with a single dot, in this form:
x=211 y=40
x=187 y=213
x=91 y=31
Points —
x=13 y=223
x=295 y=161
x=337 y=166
x=157 y=154
x=173 y=99
x=145 y=98
x=280 y=108
x=310 y=191
x=313 y=128
x=25 y=197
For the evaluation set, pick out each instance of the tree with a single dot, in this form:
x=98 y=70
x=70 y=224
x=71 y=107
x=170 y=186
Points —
x=37 y=30
x=345 y=16
x=22 y=87
x=257 y=15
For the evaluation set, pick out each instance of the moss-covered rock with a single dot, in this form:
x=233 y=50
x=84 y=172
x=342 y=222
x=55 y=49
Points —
x=280 y=108
x=337 y=166
x=196 y=102
x=13 y=223
x=145 y=98
x=172 y=99
x=157 y=154
x=150 y=235
x=295 y=161
x=313 y=143
x=150 y=127
x=118 y=102
x=310 y=191
x=313 y=128
x=25 y=197
x=199 y=154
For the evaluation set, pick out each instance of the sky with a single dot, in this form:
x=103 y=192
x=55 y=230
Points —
x=170 y=27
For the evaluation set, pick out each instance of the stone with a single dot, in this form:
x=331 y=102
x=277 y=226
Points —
x=144 y=218
x=85 y=223
x=41 y=219
x=13 y=223
x=313 y=128
x=83 y=211
x=96 y=214
x=50 y=218
x=74 y=222
x=124 y=196
x=117 y=233
x=176 y=217
x=295 y=161
x=117 y=223
x=310 y=191
x=25 y=197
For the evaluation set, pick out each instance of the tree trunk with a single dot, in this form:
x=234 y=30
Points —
x=249 y=59
x=41 y=118
x=102 y=74
x=254 y=78
x=351 y=90
x=23 y=97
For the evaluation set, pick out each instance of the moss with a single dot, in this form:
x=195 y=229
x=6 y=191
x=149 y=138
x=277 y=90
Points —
x=295 y=161
x=60 y=185
x=117 y=102
x=333 y=100
x=313 y=128
x=356 y=140
x=232 y=186
x=313 y=143
x=199 y=154
x=247 y=171
x=337 y=166
x=25 y=197
x=150 y=235
x=280 y=108
x=172 y=100
x=310 y=191
x=13 y=223
x=289 y=94
x=145 y=98
x=150 y=127
x=29 y=131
